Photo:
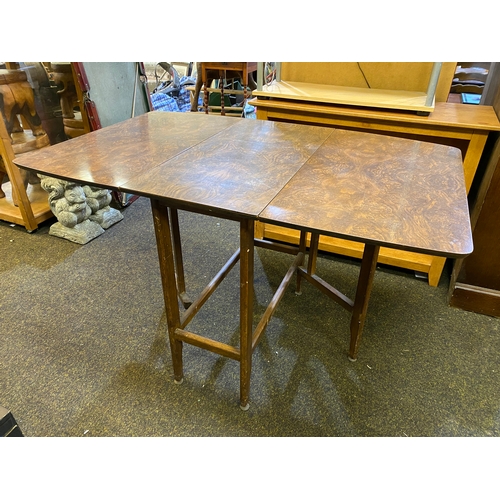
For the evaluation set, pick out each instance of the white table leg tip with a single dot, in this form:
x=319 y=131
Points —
x=245 y=408
x=351 y=359
x=178 y=382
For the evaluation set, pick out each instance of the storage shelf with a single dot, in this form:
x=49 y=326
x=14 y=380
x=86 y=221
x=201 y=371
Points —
x=39 y=203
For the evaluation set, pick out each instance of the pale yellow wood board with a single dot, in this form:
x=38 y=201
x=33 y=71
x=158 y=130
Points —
x=353 y=96
x=412 y=76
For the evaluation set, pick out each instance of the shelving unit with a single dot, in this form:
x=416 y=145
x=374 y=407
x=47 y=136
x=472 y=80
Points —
x=25 y=207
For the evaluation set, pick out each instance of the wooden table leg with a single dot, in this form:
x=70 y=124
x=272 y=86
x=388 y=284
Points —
x=168 y=280
x=313 y=254
x=179 y=263
x=246 y=308
x=302 y=249
x=365 y=281
x=311 y=258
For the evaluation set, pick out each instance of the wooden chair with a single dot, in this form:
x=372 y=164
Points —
x=470 y=78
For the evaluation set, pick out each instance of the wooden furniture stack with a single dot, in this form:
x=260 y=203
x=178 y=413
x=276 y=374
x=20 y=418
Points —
x=464 y=126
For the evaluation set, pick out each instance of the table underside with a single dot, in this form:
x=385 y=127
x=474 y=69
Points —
x=181 y=308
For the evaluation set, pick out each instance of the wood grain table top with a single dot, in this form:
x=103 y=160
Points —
x=354 y=185
x=382 y=190
x=239 y=171
x=111 y=156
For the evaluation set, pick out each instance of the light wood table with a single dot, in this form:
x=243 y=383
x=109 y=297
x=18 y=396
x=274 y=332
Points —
x=219 y=166
x=464 y=126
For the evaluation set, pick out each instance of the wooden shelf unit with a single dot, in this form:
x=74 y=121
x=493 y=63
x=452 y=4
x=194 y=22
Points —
x=25 y=207
x=38 y=204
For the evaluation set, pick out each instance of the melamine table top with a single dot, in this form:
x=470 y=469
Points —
x=240 y=170
x=354 y=185
x=382 y=190
x=111 y=156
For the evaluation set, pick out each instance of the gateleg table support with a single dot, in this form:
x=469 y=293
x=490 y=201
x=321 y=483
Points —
x=246 y=308
x=360 y=308
x=179 y=264
x=169 y=283
x=170 y=259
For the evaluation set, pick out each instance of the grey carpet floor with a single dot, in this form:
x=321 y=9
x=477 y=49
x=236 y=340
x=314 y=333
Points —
x=83 y=348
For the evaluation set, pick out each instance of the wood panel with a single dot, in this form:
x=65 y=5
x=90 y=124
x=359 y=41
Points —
x=475 y=284
x=410 y=76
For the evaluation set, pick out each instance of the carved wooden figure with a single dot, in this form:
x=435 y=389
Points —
x=16 y=98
